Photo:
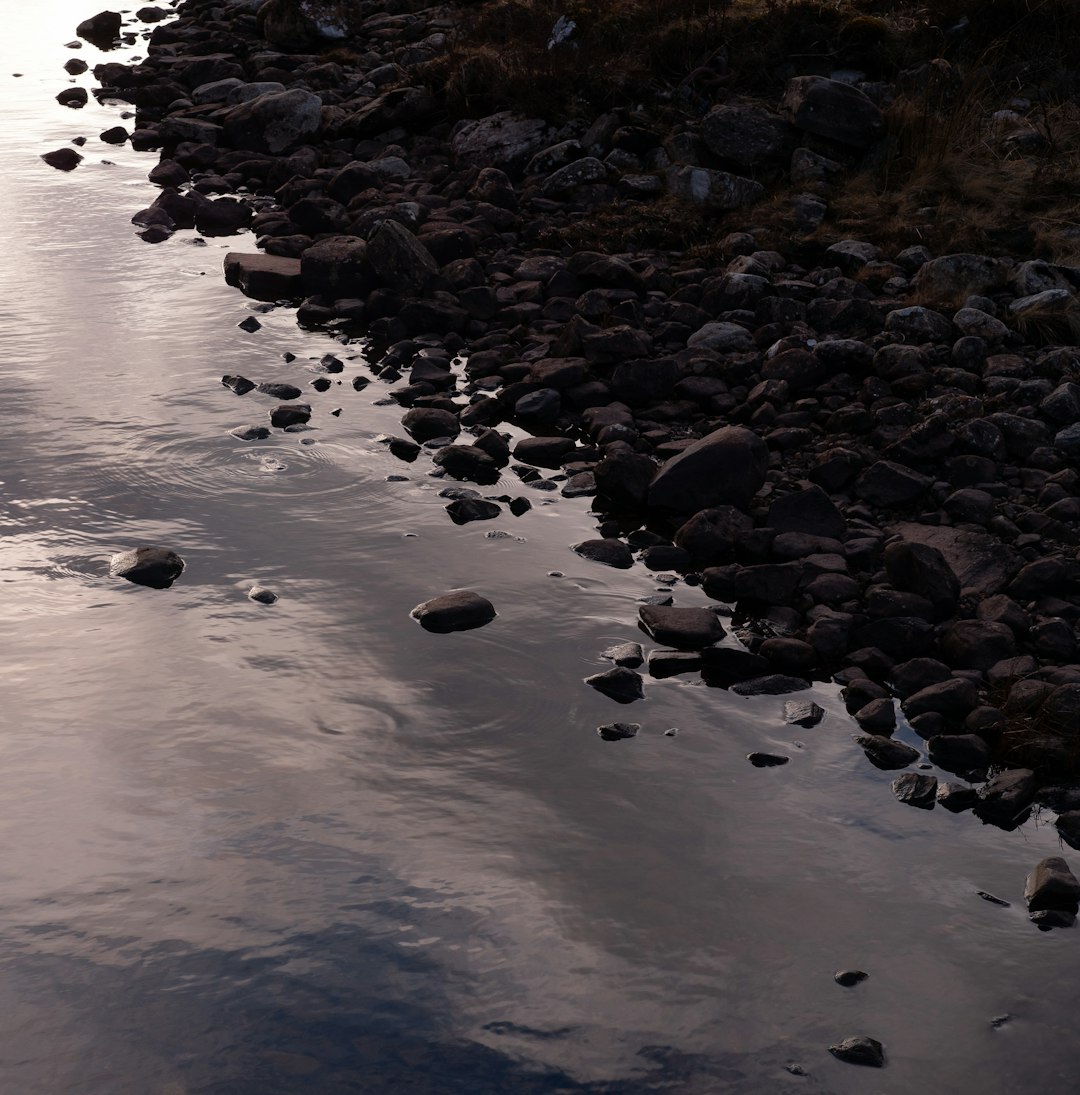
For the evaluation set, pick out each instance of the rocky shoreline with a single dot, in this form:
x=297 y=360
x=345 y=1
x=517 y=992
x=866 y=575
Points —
x=871 y=456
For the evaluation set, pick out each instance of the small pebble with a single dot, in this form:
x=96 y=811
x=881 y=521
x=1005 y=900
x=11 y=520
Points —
x=672 y=732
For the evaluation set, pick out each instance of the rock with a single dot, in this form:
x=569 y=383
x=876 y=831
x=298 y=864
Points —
x=627 y=654
x=959 y=753
x=261 y=595
x=461 y=610
x=468 y=463
x=850 y=978
x=877 y=717
x=860 y=1050
x=464 y=510
x=63 y=159
x=618 y=731
x=609 y=551
x=715 y=190
x=305 y=24
x=505 y=140
x=710 y=536
x=76 y=66
x=724 y=467
x=723 y=666
x=620 y=684
x=809 y=511
x=830 y=109
x=917 y=325
x=682 y=628
x=264 y=277
x=891 y=485
x=572 y=175
x=274 y=122
x=1068 y=827
x=803 y=713
x=74 y=97
x=923 y=570
x=885 y=753
x=100 y=30
x=914 y=789
x=290 y=414
x=155 y=567
x=951 y=279
x=772 y=684
x=250 y=433
x=983 y=563
x=722 y=337
x=955 y=797
x=427 y=423
x=669 y=663
x=766 y=760
x=746 y=134
x=398 y=258
x=278 y=391
x=1051 y=885
x=1005 y=799
x=952 y=698
x=977 y=644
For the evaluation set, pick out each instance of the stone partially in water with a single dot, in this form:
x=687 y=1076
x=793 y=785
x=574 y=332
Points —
x=290 y=414
x=1051 y=885
x=464 y=510
x=155 y=567
x=262 y=595
x=766 y=760
x=849 y=978
x=860 y=1050
x=773 y=684
x=250 y=432
x=620 y=684
x=618 y=731
x=627 y=654
x=682 y=628
x=803 y=713
x=884 y=753
x=609 y=551
x=63 y=159
x=461 y=610
x=914 y=789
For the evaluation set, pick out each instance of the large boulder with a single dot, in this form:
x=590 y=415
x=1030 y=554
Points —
x=337 y=267
x=834 y=110
x=726 y=467
x=951 y=279
x=273 y=123
x=746 y=134
x=100 y=30
x=264 y=277
x=718 y=190
x=506 y=139
x=398 y=258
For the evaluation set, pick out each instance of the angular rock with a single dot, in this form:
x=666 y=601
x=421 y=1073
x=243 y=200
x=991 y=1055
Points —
x=830 y=109
x=398 y=258
x=772 y=684
x=63 y=159
x=725 y=467
x=427 y=423
x=803 y=713
x=916 y=568
x=620 y=684
x=264 y=277
x=1051 y=885
x=860 y=1050
x=627 y=654
x=1004 y=800
x=956 y=797
x=915 y=789
x=890 y=485
x=977 y=644
x=746 y=134
x=715 y=190
x=885 y=753
x=261 y=595
x=505 y=139
x=609 y=551
x=959 y=753
x=273 y=123
x=618 y=731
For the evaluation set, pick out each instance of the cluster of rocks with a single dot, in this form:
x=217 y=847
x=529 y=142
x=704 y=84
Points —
x=871 y=456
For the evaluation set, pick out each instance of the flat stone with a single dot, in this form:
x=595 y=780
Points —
x=683 y=628
x=618 y=731
x=860 y=1050
x=914 y=789
x=772 y=684
x=628 y=654
x=803 y=713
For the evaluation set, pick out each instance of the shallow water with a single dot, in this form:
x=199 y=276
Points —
x=312 y=848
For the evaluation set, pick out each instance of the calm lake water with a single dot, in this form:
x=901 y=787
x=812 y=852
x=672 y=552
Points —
x=312 y=848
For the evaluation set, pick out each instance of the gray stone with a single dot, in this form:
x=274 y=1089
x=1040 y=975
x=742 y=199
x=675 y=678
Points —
x=716 y=190
x=504 y=139
x=722 y=337
x=830 y=109
x=960 y=753
x=618 y=731
x=275 y=122
x=1004 y=800
x=1051 y=885
x=264 y=277
x=609 y=551
x=772 y=684
x=398 y=258
x=155 y=567
x=627 y=654
x=885 y=753
x=261 y=595
x=682 y=628
x=746 y=134
x=620 y=684
x=915 y=789
x=860 y=1050
x=803 y=713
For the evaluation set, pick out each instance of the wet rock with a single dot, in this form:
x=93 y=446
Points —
x=581 y=172
x=279 y=391
x=959 y=753
x=261 y=595
x=273 y=123
x=885 y=753
x=620 y=684
x=290 y=414
x=860 y=1050
x=239 y=384
x=914 y=789
x=100 y=30
x=467 y=462
x=461 y=610
x=682 y=628
x=264 y=277
x=830 y=109
x=723 y=666
x=956 y=797
x=1068 y=827
x=250 y=433
x=609 y=551
x=618 y=731
x=63 y=159
x=724 y=467
x=76 y=66
x=626 y=654
x=877 y=717
x=850 y=978
x=989 y=897
x=464 y=510
x=1046 y=919
x=74 y=97
x=766 y=760
x=670 y=663
x=428 y=423
x=155 y=567
x=803 y=713
x=1051 y=885
x=548 y=452
x=1004 y=799
x=772 y=684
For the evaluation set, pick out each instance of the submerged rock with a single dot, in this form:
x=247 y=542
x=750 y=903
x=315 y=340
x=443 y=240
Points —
x=860 y=1050
x=914 y=789
x=156 y=567
x=618 y=731
x=461 y=610
x=772 y=684
x=620 y=684
x=766 y=760
x=63 y=159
